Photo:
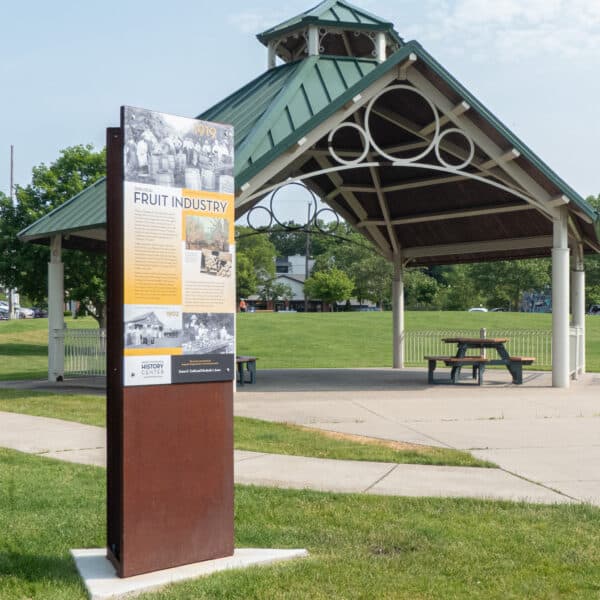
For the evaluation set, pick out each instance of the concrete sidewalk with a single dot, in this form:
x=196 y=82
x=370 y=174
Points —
x=542 y=434
x=86 y=444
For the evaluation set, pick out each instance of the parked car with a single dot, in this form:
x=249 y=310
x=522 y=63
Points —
x=3 y=315
x=478 y=309
x=594 y=309
x=39 y=313
x=25 y=313
x=499 y=309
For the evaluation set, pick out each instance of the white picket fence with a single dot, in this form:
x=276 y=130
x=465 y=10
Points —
x=85 y=349
x=85 y=352
x=522 y=342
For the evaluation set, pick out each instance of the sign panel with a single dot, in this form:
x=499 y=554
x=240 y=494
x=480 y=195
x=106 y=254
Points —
x=178 y=239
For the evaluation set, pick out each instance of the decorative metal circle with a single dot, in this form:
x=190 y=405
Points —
x=469 y=158
x=313 y=211
x=255 y=210
x=365 y=139
x=336 y=219
x=395 y=159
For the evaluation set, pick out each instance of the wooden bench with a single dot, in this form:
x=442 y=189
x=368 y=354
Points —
x=477 y=362
x=250 y=362
x=515 y=366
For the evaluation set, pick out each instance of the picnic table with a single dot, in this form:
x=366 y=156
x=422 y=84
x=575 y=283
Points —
x=250 y=363
x=514 y=364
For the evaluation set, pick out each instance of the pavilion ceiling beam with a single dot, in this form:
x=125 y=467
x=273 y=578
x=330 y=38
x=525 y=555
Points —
x=347 y=153
x=459 y=109
x=253 y=185
x=484 y=142
x=385 y=211
x=446 y=146
x=457 y=214
x=502 y=245
x=360 y=212
x=512 y=154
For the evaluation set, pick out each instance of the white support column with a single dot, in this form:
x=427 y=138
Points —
x=380 y=46
x=313 y=40
x=271 y=56
x=578 y=302
x=56 y=320
x=398 y=313
x=560 y=300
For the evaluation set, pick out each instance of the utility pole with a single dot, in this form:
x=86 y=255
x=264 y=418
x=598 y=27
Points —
x=307 y=257
x=11 y=193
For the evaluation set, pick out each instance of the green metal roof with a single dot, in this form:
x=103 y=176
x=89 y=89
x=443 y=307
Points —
x=331 y=13
x=86 y=210
x=278 y=108
x=274 y=111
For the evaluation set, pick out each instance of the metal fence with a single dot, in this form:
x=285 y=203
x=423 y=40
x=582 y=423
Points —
x=522 y=342
x=85 y=349
x=85 y=352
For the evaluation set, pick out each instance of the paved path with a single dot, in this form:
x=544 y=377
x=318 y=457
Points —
x=546 y=440
x=543 y=434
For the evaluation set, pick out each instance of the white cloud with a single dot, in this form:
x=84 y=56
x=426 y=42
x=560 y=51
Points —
x=511 y=30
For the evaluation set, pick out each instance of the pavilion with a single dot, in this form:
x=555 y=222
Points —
x=385 y=136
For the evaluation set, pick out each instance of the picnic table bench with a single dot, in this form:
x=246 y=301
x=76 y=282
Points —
x=250 y=362
x=514 y=364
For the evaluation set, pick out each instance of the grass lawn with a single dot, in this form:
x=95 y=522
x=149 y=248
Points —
x=249 y=434
x=364 y=339
x=24 y=346
x=360 y=546
x=297 y=340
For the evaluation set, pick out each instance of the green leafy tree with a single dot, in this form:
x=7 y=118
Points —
x=459 y=291
x=420 y=290
x=255 y=261
x=592 y=266
x=503 y=283
x=24 y=265
x=274 y=290
x=330 y=286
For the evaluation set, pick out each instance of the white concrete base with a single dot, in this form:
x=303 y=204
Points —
x=102 y=582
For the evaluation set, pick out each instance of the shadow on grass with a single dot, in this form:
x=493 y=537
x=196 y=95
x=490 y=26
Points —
x=38 y=568
x=24 y=349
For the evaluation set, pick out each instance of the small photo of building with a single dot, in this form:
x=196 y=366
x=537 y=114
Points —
x=152 y=329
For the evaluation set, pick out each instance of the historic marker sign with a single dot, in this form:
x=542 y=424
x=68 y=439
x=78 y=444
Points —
x=170 y=341
x=178 y=217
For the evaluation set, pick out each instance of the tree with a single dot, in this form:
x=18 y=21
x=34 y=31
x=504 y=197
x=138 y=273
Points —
x=330 y=286
x=420 y=290
x=24 y=265
x=592 y=266
x=255 y=261
x=274 y=290
x=503 y=283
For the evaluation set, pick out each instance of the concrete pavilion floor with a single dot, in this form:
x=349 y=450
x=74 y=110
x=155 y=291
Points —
x=545 y=440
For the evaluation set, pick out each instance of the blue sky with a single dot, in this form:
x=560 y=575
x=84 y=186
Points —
x=67 y=66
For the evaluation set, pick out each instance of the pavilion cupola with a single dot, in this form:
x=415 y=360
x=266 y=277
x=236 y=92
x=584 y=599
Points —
x=332 y=28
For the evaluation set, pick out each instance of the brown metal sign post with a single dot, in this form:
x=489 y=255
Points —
x=170 y=347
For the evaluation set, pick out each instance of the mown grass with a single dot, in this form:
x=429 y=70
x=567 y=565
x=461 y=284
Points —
x=249 y=434
x=24 y=346
x=362 y=340
x=360 y=546
x=297 y=340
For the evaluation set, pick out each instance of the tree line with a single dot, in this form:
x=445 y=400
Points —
x=346 y=264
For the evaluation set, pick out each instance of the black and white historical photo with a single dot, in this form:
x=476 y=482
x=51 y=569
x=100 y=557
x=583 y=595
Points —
x=172 y=151
x=208 y=333
x=147 y=327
